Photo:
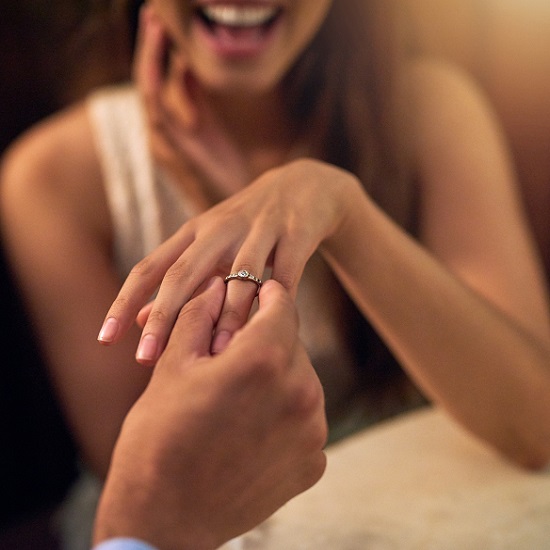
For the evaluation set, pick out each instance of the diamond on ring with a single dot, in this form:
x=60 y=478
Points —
x=244 y=275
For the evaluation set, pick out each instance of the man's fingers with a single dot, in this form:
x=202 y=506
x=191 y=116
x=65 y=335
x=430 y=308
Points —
x=275 y=325
x=192 y=333
x=243 y=285
x=236 y=309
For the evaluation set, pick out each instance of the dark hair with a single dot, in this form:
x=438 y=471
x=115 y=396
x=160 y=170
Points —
x=346 y=85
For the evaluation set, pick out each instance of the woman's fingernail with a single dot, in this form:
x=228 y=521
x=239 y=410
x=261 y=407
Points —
x=220 y=341
x=108 y=331
x=147 y=349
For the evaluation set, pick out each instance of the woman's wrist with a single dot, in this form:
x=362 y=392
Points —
x=352 y=200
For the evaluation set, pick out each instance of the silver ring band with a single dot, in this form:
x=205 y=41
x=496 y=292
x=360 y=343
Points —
x=244 y=275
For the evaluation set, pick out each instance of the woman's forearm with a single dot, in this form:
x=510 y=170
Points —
x=466 y=355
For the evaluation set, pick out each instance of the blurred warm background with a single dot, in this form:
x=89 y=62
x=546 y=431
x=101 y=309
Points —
x=53 y=52
x=505 y=44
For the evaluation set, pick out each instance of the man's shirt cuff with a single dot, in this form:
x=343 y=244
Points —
x=123 y=543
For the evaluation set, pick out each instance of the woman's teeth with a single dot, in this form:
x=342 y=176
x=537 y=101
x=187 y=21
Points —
x=239 y=16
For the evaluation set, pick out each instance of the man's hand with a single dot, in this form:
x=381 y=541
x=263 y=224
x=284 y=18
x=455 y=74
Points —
x=216 y=444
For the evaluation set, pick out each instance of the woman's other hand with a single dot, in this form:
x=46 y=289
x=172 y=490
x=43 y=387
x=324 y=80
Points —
x=186 y=136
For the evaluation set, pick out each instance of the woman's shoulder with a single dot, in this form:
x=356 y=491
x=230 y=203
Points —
x=55 y=162
x=53 y=150
x=448 y=105
x=439 y=83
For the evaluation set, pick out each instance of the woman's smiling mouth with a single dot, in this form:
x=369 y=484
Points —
x=238 y=30
x=239 y=15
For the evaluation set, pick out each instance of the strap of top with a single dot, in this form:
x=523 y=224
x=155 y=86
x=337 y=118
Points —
x=121 y=140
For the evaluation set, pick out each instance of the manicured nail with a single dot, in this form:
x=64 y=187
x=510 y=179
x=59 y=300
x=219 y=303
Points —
x=108 y=331
x=221 y=340
x=147 y=349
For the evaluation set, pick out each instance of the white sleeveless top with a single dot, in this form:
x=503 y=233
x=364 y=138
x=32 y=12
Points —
x=146 y=207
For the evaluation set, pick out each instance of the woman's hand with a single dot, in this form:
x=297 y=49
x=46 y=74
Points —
x=279 y=220
x=185 y=134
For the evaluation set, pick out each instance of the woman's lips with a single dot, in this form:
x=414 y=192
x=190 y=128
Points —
x=238 y=30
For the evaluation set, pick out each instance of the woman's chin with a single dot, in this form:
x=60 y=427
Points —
x=236 y=82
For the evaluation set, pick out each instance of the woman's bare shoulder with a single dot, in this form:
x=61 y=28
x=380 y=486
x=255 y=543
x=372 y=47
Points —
x=436 y=83
x=54 y=160
x=450 y=109
x=54 y=149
